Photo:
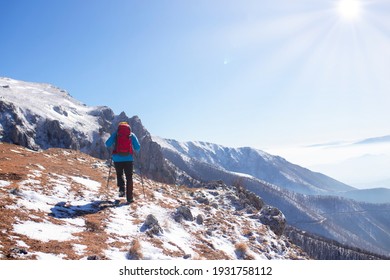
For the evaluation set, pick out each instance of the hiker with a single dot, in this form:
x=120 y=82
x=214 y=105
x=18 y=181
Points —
x=125 y=143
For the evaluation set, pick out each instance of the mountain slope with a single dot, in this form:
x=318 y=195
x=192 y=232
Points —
x=256 y=163
x=55 y=205
x=376 y=195
x=41 y=116
x=349 y=222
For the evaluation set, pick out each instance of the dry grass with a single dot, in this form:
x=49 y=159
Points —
x=135 y=251
x=242 y=251
x=92 y=226
x=17 y=163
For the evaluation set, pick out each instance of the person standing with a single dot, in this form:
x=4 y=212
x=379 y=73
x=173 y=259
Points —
x=125 y=143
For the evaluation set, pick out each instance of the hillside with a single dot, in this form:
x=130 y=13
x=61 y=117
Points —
x=253 y=163
x=349 y=222
x=55 y=205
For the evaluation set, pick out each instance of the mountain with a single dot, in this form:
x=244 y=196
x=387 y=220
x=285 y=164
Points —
x=292 y=189
x=377 y=195
x=40 y=116
x=381 y=139
x=56 y=205
x=363 y=164
x=306 y=198
x=252 y=162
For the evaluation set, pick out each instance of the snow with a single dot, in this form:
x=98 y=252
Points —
x=4 y=183
x=54 y=104
x=46 y=231
x=79 y=248
x=91 y=184
x=33 y=196
x=33 y=200
x=49 y=257
x=214 y=154
x=243 y=175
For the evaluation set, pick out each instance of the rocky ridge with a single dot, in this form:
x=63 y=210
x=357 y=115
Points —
x=41 y=116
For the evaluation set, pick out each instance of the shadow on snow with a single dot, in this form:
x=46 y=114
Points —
x=64 y=210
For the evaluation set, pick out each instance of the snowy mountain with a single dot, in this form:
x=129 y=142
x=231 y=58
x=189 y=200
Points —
x=56 y=205
x=256 y=164
x=40 y=116
x=253 y=163
x=349 y=222
x=381 y=139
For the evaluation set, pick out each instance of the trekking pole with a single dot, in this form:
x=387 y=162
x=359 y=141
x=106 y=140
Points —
x=109 y=171
x=140 y=173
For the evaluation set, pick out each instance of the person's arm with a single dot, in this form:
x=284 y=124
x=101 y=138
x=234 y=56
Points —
x=110 y=141
x=135 y=142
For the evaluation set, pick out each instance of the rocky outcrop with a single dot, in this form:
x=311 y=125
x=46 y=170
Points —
x=150 y=160
x=273 y=218
x=12 y=126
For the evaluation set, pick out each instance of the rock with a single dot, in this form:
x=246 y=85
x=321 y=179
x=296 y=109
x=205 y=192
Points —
x=215 y=205
x=150 y=220
x=214 y=193
x=151 y=226
x=93 y=258
x=213 y=185
x=185 y=212
x=255 y=200
x=199 y=219
x=151 y=159
x=178 y=218
x=274 y=218
x=202 y=199
x=248 y=198
x=16 y=253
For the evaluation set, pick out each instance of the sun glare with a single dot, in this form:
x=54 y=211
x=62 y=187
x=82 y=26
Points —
x=349 y=9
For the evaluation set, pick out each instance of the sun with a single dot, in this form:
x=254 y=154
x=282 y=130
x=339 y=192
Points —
x=349 y=9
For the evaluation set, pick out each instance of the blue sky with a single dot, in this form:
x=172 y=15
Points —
x=260 y=73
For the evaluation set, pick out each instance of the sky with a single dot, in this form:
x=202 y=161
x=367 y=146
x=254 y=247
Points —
x=264 y=74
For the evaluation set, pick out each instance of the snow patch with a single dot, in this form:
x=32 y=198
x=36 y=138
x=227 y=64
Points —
x=51 y=257
x=46 y=231
x=91 y=184
x=33 y=200
x=4 y=183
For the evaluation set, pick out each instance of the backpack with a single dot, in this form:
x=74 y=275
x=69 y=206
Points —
x=123 y=145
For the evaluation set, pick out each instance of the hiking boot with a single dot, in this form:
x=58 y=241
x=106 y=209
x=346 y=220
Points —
x=121 y=193
x=130 y=200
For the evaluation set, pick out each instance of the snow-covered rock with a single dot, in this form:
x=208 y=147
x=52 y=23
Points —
x=272 y=217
